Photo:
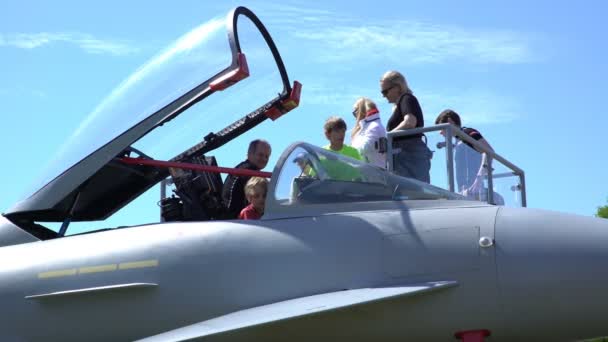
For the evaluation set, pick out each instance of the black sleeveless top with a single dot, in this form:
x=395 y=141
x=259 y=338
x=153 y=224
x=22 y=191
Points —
x=407 y=104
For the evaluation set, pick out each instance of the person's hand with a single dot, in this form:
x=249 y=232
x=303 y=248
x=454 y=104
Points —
x=477 y=185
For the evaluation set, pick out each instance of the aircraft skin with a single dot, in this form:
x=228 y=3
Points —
x=542 y=279
x=377 y=257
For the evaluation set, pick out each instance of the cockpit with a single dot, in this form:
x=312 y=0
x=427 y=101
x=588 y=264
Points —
x=312 y=175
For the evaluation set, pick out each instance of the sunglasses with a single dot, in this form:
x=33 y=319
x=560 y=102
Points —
x=355 y=112
x=385 y=91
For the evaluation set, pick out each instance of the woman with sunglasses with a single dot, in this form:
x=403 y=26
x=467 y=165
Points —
x=368 y=132
x=413 y=158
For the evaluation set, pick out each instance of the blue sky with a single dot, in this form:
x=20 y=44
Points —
x=530 y=76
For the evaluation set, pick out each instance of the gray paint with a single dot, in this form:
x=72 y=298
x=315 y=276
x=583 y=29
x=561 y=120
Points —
x=546 y=273
x=550 y=262
x=13 y=235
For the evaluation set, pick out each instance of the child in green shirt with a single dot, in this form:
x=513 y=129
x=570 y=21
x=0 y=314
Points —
x=335 y=129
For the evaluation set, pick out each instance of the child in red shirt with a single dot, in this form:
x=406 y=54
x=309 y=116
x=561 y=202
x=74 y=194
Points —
x=255 y=191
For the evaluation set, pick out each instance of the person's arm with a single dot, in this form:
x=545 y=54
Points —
x=409 y=121
x=484 y=157
x=236 y=196
x=482 y=171
x=372 y=135
x=408 y=105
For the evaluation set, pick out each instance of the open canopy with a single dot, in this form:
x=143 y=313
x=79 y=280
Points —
x=87 y=181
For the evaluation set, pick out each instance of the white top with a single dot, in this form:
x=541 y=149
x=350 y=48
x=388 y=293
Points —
x=367 y=137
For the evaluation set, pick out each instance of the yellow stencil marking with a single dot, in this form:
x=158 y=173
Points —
x=97 y=269
x=138 y=264
x=57 y=274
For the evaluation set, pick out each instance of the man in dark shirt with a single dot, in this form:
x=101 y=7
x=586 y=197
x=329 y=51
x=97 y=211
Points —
x=233 y=191
x=413 y=158
x=470 y=162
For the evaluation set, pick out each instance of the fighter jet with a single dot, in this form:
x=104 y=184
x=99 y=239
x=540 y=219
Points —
x=345 y=251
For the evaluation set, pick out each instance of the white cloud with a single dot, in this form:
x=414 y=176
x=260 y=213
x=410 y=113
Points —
x=414 y=43
x=339 y=38
x=293 y=12
x=291 y=16
x=474 y=105
x=85 y=42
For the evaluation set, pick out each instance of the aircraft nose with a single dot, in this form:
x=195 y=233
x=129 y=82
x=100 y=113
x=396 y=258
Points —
x=552 y=270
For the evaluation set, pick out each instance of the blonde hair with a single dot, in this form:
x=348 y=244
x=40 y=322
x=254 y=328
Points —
x=362 y=106
x=255 y=184
x=396 y=78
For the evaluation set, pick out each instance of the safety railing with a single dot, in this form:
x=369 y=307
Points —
x=469 y=168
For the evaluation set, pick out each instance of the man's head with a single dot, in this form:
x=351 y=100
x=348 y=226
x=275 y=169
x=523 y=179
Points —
x=448 y=116
x=255 y=191
x=393 y=85
x=259 y=153
x=335 y=128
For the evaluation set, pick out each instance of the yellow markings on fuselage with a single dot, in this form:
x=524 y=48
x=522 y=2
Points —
x=57 y=273
x=98 y=269
x=138 y=264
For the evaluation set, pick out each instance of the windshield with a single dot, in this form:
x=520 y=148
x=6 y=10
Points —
x=312 y=175
x=182 y=65
x=221 y=109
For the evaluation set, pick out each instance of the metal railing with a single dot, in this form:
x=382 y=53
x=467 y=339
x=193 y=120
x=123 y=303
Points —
x=452 y=132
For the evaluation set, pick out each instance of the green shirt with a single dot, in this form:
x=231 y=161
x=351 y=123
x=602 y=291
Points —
x=346 y=151
x=338 y=170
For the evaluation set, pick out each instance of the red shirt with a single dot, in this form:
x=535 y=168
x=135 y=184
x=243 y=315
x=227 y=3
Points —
x=249 y=213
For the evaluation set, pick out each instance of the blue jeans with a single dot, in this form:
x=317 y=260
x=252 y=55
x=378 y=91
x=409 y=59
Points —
x=414 y=160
